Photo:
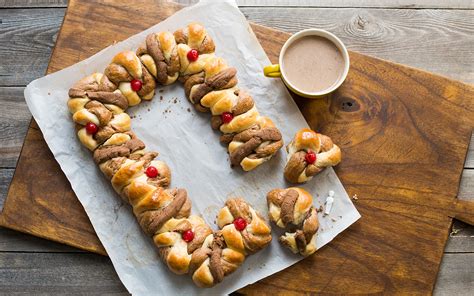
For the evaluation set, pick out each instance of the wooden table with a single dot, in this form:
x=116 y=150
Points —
x=428 y=35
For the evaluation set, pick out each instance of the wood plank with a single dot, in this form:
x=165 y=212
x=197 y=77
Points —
x=14 y=120
x=66 y=273
x=26 y=38
x=466 y=189
x=14 y=241
x=461 y=239
x=418 y=38
x=470 y=155
x=32 y=3
x=450 y=4
x=456 y=276
x=5 y=178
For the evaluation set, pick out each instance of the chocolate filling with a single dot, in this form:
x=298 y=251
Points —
x=295 y=166
x=222 y=80
x=104 y=153
x=252 y=139
x=310 y=224
x=117 y=73
x=200 y=234
x=191 y=81
x=238 y=207
x=148 y=81
x=244 y=103
x=300 y=241
x=100 y=111
x=215 y=265
x=111 y=168
x=198 y=257
x=115 y=98
x=152 y=220
x=288 y=206
x=243 y=150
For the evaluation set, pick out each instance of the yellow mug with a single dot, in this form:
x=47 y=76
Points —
x=276 y=70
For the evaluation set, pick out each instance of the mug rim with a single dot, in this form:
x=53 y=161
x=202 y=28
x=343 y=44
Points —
x=329 y=36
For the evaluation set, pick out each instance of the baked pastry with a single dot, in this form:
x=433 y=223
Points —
x=98 y=104
x=242 y=232
x=308 y=154
x=293 y=210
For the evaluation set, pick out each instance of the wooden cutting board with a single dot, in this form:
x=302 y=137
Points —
x=404 y=135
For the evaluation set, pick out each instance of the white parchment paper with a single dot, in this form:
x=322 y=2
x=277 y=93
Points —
x=185 y=140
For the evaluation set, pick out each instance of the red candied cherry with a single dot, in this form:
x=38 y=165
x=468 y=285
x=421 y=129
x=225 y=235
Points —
x=310 y=157
x=91 y=128
x=227 y=117
x=192 y=55
x=240 y=224
x=151 y=172
x=136 y=84
x=188 y=235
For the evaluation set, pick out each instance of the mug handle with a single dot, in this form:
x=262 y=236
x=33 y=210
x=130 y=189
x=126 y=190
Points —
x=272 y=71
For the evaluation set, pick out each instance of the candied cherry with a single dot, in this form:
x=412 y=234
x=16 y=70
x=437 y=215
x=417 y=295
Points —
x=310 y=157
x=151 y=172
x=188 y=235
x=193 y=55
x=136 y=84
x=227 y=117
x=91 y=128
x=240 y=224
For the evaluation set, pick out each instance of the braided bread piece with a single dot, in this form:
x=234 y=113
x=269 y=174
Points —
x=126 y=69
x=98 y=104
x=308 y=154
x=94 y=99
x=252 y=139
x=242 y=232
x=293 y=210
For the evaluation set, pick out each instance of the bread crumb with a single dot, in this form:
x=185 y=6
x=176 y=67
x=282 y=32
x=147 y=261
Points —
x=354 y=197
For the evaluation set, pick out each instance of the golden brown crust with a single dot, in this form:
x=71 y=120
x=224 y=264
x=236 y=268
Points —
x=297 y=169
x=293 y=210
x=142 y=181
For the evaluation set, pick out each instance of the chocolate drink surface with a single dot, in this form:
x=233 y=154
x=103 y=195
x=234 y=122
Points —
x=312 y=64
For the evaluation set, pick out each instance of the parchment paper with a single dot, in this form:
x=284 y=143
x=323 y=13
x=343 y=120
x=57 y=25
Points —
x=187 y=143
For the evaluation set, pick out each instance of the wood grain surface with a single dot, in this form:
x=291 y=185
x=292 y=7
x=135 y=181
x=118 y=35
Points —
x=422 y=230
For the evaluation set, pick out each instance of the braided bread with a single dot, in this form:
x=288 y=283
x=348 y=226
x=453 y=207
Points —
x=242 y=232
x=98 y=103
x=293 y=210
x=308 y=154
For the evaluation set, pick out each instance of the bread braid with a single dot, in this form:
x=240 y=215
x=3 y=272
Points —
x=242 y=232
x=98 y=104
x=299 y=168
x=293 y=210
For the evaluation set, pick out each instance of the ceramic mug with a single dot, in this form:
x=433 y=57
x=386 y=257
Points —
x=277 y=70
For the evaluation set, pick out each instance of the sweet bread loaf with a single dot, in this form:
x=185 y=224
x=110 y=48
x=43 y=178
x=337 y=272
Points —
x=308 y=154
x=292 y=209
x=98 y=105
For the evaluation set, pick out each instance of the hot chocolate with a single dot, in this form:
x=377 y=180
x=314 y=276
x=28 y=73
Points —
x=313 y=64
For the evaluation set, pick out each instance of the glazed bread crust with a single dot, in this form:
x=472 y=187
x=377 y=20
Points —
x=292 y=209
x=297 y=169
